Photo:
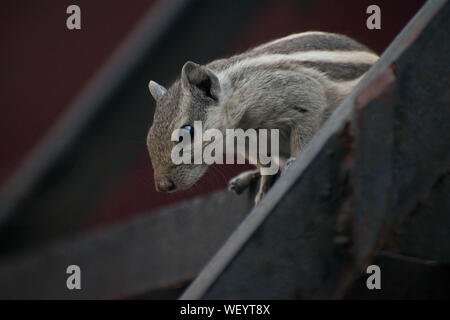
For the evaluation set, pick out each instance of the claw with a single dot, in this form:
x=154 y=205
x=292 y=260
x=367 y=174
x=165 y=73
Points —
x=242 y=181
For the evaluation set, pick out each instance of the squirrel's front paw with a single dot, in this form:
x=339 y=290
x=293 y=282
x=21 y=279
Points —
x=242 y=181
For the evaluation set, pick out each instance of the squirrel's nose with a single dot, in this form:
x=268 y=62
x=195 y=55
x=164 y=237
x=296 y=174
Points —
x=165 y=184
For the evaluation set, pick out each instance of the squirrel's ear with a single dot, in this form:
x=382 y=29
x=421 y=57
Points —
x=156 y=90
x=202 y=78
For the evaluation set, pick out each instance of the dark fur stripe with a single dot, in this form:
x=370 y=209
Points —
x=339 y=71
x=309 y=42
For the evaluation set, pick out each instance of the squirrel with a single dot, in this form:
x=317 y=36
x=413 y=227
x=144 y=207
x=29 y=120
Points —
x=292 y=84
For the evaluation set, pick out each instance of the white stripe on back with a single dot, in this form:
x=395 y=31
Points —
x=355 y=57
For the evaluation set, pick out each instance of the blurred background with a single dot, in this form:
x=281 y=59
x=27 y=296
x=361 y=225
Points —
x=75 y=107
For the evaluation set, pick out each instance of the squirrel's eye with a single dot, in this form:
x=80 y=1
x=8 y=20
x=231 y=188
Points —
x=189 y=129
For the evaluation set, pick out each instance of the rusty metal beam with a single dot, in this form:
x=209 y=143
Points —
x=354 y=184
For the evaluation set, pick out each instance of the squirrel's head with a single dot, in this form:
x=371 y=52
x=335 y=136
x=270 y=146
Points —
x=194 y=97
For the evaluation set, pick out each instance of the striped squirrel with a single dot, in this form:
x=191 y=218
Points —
x=292 y=84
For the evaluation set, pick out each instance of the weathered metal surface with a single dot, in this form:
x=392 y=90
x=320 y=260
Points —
x=404 y=278
x=156 y=252
x=290 y=254
x=403 y=140
x=426 y=231
x=359 y=177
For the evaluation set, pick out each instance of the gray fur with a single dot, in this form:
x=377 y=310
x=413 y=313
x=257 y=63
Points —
x=319 y=41
x=270 y=87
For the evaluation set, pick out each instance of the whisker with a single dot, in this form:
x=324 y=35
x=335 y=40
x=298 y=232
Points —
x=221 y=174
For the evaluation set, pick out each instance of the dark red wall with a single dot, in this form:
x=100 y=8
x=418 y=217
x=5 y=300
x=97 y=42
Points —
x=44 y=65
